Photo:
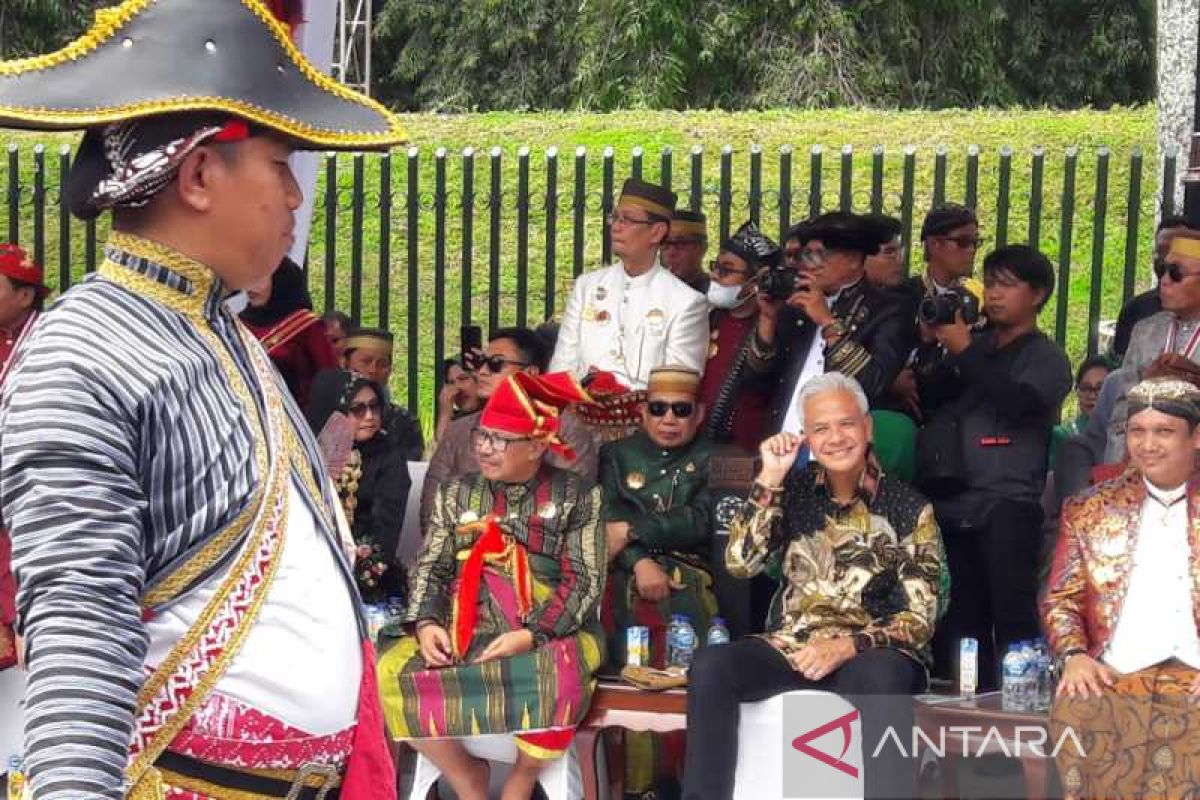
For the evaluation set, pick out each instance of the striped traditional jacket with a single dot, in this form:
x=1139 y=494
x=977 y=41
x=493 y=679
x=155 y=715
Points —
x=126 y=446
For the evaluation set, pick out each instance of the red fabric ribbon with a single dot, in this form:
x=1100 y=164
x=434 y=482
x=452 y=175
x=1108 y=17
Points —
x=492 y=542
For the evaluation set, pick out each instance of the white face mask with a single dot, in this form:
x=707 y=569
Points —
x=724 y=296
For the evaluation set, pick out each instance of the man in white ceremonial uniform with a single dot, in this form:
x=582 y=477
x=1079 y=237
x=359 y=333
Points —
x=189 y=615
x=633 y=316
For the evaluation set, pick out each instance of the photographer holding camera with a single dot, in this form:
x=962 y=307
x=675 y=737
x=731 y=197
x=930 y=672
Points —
x=991 y=404
x=827 y=317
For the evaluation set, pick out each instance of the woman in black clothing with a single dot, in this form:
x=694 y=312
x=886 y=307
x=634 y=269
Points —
x=372 y=481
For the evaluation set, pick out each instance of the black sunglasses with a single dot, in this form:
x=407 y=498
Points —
x=1176 y=273
x=681 y=409
x=964 y=242
x=359 y=410
x=493 y=363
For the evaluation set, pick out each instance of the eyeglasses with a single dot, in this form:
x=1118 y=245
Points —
x=360 y=410
x=493 y=363
x=722 y=271
x=614 y=220
x=1089 y=388
x=681 y=409
x=1174 y=272
x=964 y=242
x=496 y=443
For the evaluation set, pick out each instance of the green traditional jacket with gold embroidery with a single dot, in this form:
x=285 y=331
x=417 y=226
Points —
x=662 y=494
x=875 y=566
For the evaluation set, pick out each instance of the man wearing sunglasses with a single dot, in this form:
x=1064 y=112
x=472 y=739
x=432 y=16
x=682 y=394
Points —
x=834 y=322
x=683 y=251
x=658 y=518
x=1147 y=304
x=737 y=410
x=1173 y=333
x=950 y=241
x=635 y=315
x=509 y=351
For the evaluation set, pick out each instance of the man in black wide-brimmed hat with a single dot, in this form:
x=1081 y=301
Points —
x=835 y=321
x=189 y=616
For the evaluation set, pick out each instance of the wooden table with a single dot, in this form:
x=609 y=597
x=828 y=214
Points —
x=985 y=712
x=623 y=708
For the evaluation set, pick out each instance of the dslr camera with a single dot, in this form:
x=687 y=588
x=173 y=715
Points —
x=940 y=309
x=779 y=282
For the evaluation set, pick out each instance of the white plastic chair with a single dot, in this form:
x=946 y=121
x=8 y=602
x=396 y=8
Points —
x=560 y=780
x=12 y=714
x=410 y=531
x=760 y=748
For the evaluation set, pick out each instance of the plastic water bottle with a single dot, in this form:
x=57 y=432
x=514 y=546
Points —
x=717 y=632
x=1045 y=689
x=681 y=641
x=16 y=778
x=1030 y=654
x=1014 y=683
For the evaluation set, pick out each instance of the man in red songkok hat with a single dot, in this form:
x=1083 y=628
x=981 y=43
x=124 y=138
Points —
x=511 y=571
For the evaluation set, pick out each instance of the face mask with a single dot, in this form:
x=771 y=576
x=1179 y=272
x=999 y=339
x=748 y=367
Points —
x=724 y=296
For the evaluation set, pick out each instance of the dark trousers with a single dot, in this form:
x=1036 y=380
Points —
x=751 y=670
x=993 y=587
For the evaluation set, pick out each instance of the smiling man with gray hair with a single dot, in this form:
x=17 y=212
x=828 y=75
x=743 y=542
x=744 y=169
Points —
x=863 y=636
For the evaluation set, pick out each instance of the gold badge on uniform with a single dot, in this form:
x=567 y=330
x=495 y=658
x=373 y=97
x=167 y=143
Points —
x=601 y=316
x=635 y=480
x=548 y=510
x=656 y=319
x=589 y=313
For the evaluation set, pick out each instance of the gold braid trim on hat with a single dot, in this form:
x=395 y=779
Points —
x=110 y=21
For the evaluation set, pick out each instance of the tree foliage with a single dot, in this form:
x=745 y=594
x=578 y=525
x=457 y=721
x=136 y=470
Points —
x=737 y=54
x=28 y=27
x=733 y=54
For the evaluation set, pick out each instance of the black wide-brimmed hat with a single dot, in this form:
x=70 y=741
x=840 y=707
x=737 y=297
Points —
x=842 y=230
x=146 y=58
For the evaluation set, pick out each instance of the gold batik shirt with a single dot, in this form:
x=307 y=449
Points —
x=874 y=566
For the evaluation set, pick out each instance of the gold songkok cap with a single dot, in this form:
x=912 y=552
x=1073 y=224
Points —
x=673 y=379
x=372 y=339
x=688 y=223
x=649 y=197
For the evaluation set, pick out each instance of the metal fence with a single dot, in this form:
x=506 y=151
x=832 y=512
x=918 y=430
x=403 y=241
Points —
x=401 y=242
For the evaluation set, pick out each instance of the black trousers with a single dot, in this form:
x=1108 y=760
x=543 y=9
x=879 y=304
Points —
x=993 y=588
x=750 y=670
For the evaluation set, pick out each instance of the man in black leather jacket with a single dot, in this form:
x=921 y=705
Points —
x=834 y=322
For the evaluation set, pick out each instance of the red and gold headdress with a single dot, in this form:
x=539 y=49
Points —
x=528 y=405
